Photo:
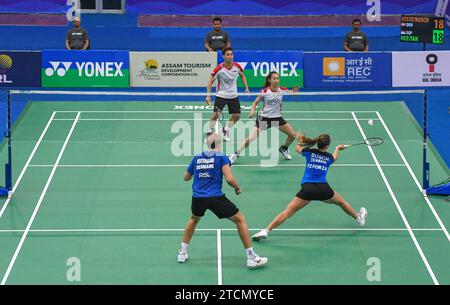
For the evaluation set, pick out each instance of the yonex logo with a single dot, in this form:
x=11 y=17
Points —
x=59 y=67
x=243 y=64
x=284 y=69
x=264 y=68
x=87 y=69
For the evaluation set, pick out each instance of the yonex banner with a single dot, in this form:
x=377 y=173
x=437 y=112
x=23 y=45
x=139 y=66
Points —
x=20 y=69
x=421 y=69
x=85 y=68
x=258 y=64
x=171 y=69
x=344 y=69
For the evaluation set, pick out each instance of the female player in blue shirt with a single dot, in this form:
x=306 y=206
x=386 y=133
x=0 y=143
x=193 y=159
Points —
x=208 y=170
x=314 y=183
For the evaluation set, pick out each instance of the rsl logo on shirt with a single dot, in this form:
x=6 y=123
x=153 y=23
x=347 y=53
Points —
x=273 y=99
x=229 y=76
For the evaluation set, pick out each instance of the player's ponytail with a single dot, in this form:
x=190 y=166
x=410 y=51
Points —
x=268 y=77
x=322 y=141
x=309 y=141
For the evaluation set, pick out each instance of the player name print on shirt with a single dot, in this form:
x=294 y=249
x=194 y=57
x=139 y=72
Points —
x=205 y=163
x=319 y=158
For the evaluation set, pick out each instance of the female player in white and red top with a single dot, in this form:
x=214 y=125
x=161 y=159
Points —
x=226 y=74
x=270 y=115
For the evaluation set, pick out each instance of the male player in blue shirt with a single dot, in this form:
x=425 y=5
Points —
x=314 y=183
x=208 y=169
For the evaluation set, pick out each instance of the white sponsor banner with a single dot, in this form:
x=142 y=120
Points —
x=421 y=69
x=171 y=69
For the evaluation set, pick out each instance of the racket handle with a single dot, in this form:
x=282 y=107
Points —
x=347 y=145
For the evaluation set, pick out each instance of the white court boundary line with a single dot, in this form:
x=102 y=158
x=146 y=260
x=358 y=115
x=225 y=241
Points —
x=380 y=118
x=184 y=165
x=204 y=119
x=416 y=181
x=206 y=111
x=38 y=205
x=27 y=164
x=397 y=204
x=215 y=230
x=219 y=257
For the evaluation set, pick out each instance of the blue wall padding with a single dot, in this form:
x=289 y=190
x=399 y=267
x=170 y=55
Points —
x=192 y=39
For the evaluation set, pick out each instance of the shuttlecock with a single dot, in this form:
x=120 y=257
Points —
x=370 y=122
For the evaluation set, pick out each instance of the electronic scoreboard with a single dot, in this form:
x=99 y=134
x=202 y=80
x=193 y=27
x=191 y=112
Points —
x=422 y=28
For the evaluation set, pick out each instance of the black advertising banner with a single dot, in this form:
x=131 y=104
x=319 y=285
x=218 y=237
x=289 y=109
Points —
x=20 y=69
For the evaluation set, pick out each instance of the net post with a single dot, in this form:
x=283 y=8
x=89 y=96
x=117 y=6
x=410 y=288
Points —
x=8 y=166
x=426 y=165
x=6 y=191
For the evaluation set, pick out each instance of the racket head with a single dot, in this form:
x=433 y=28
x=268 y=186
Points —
x=375 y=141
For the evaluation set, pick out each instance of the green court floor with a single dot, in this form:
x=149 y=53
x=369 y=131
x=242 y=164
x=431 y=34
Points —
x=102 y=183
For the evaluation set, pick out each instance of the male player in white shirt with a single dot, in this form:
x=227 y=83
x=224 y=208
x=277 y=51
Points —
x=226 y=74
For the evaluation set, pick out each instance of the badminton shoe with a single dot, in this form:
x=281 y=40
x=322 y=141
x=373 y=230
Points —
x=362 y=216
x=260 y=235
x=182 y=257
x=285 y=152
x=256 y=261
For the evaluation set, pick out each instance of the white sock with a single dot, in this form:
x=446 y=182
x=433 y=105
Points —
x=184 y=247
x=250 y=253
x=266 y=230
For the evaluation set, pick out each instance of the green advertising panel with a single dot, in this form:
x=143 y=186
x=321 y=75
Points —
x=85 y=68
x=258 y=64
